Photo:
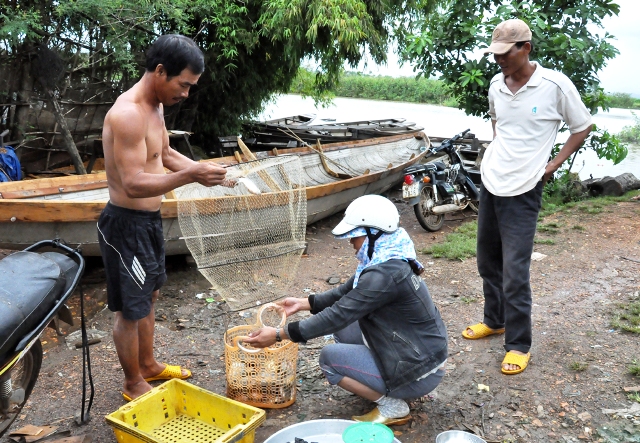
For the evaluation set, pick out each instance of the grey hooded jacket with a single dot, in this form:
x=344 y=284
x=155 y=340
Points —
x=398 y=319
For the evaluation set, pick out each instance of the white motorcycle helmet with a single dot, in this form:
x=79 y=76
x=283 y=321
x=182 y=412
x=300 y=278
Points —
x=368 y=211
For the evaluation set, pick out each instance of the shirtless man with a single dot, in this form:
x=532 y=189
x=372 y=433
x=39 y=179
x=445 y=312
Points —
x=136 y=152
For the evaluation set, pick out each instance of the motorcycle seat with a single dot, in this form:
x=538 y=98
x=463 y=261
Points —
x=30 y=286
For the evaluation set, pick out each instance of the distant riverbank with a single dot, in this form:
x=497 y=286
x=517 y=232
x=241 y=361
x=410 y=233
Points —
x=412 y=90
x=442 y=121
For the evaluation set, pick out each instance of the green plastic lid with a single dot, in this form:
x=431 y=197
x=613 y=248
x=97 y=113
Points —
x=366 y=432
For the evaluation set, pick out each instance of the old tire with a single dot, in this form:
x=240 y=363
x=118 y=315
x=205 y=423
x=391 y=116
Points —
x=429 y=221
x=23 y=377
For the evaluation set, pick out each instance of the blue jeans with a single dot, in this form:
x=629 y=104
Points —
x=506 y=227
x=350 y=357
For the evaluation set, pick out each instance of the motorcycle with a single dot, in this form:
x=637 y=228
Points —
x=435 y=188
x=34 y=285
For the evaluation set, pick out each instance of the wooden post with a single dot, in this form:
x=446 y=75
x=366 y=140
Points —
x=69 y=144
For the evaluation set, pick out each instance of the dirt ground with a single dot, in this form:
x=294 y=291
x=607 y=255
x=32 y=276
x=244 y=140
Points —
x=592 y=268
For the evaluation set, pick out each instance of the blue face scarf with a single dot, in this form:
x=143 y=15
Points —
x=396 y=245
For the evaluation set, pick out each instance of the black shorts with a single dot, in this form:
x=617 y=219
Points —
x=132 y=247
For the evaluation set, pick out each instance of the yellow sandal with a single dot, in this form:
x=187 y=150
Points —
x=170 y=372
x=480 y=330
x=515 y=359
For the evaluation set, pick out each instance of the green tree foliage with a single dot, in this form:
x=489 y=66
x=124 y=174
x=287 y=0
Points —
x=253 y=48
x=96 y=31
x=446 y=43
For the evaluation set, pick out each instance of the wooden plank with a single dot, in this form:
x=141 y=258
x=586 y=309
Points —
x=91 y=195
x=54 y=182
x=61 y=189
x=17 y=210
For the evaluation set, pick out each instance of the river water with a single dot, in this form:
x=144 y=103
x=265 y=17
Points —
x=442 y=121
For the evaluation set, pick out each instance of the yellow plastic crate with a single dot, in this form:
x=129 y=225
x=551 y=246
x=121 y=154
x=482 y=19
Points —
x=179 y=412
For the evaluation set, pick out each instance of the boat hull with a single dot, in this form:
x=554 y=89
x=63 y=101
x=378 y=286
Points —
x=25 y=219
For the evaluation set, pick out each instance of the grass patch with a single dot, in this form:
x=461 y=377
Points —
x=458 y=245
x=634 y=397
x=549 y=209
x=634 y=369
x=468 y=300
x=578 y=228
x=588 y=205
x=593 y=208
x=628 y=318
x=549 y=228
x=544 y=241
x=578 y=366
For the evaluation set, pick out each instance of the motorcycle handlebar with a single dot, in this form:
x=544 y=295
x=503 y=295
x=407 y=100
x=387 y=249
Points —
x=449 y=141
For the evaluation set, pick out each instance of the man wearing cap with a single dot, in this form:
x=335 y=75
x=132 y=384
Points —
x=527 y=104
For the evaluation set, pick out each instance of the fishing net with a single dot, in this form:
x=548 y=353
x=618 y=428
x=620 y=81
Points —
x=247 y=239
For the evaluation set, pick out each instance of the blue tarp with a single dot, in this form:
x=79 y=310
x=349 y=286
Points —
x=9 y=165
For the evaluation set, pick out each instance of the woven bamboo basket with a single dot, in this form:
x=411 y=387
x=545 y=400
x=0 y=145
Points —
x=265 y=378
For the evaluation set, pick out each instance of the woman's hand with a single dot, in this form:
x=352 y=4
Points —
x=262 y=338
x=292 y=305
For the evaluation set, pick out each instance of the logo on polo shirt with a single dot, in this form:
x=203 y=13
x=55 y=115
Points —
x=534 y=110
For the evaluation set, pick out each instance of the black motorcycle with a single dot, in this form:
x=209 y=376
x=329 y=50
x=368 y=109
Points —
x=34 y=285
x=435 y=188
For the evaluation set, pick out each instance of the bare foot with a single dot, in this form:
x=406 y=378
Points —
x=508 y=367
x=136 y=389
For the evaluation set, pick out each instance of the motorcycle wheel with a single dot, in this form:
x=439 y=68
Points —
x=430 y=222
x=23 y=377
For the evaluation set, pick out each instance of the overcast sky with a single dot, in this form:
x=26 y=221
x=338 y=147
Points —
x=620 y=75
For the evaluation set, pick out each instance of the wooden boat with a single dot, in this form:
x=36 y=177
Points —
x=68 y=207
x=295 y=131
x=294 y=120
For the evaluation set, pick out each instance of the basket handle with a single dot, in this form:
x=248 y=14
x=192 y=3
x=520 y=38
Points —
x=271 y=306
x=236 y=342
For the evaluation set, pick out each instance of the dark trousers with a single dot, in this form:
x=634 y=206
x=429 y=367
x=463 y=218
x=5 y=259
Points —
x=506 y=227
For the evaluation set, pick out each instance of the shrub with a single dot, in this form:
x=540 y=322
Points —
x=622 y=100
x=631 y=134
x=405 y=89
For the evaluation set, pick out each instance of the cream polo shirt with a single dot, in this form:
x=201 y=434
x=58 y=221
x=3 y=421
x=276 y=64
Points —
x=527 y=123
